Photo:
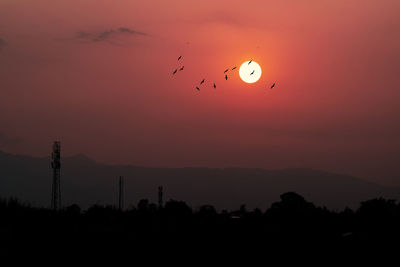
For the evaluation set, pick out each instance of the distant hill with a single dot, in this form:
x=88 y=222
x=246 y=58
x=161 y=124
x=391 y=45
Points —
x=86 y=182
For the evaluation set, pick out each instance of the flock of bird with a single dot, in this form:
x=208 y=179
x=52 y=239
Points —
x=214 y=85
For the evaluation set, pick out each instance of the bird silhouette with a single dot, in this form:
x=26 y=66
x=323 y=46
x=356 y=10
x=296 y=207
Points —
x=273 y=85
x=179 y=58
x=202 y=81
x=249 y=62
x=174 y=71
x=226 y=70
x=215 y=86
x=181 y=68
x=198 y=89
x=252 y=72
x=226 y=77
x=234 y=68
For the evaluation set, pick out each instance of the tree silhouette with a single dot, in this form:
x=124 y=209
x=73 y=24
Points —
x=292 y=222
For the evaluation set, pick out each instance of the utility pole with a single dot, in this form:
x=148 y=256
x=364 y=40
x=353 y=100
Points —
x=121 y=193
x=56 y=165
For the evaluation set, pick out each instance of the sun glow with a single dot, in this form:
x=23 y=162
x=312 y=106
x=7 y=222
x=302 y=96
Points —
x=250 y=71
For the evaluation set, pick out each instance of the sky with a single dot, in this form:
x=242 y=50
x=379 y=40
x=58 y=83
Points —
x=97 y=75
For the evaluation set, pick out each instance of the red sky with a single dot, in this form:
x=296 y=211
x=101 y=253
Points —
x=335 y=62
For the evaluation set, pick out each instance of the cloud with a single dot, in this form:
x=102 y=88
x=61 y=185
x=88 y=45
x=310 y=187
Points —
x=107 y=35
x=127 y=30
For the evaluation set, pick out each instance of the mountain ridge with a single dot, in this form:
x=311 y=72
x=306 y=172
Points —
x=85 y=181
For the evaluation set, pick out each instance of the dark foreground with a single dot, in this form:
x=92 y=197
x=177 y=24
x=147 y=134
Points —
x=290 y=225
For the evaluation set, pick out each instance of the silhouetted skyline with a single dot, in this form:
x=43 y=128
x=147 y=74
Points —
x=163 y=130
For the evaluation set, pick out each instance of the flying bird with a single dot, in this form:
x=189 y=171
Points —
x=181 y=68
x=215 y=86
x=226 y=77
x=252 y=72
x=198 y=89
x=234 y=68
x=249 y=62
x=202 y=81
x=226 y=71
x=272 y=86
x=174 y=71
x=179 y=58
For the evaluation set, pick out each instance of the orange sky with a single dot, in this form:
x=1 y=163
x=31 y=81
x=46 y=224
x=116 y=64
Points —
x=335 y=106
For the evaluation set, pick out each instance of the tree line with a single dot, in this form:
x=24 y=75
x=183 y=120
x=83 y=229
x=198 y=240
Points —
x=291 y=221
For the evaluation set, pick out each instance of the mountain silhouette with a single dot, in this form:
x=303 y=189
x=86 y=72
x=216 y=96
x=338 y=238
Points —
x=86 y=182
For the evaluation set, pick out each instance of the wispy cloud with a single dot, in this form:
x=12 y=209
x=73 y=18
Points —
x=127 y=30
x=107 y=35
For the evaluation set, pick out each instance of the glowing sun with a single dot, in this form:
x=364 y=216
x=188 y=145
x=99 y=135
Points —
x=250 y=71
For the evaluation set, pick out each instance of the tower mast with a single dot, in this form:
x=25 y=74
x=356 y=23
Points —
x=56 y=165
x=121 y=193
